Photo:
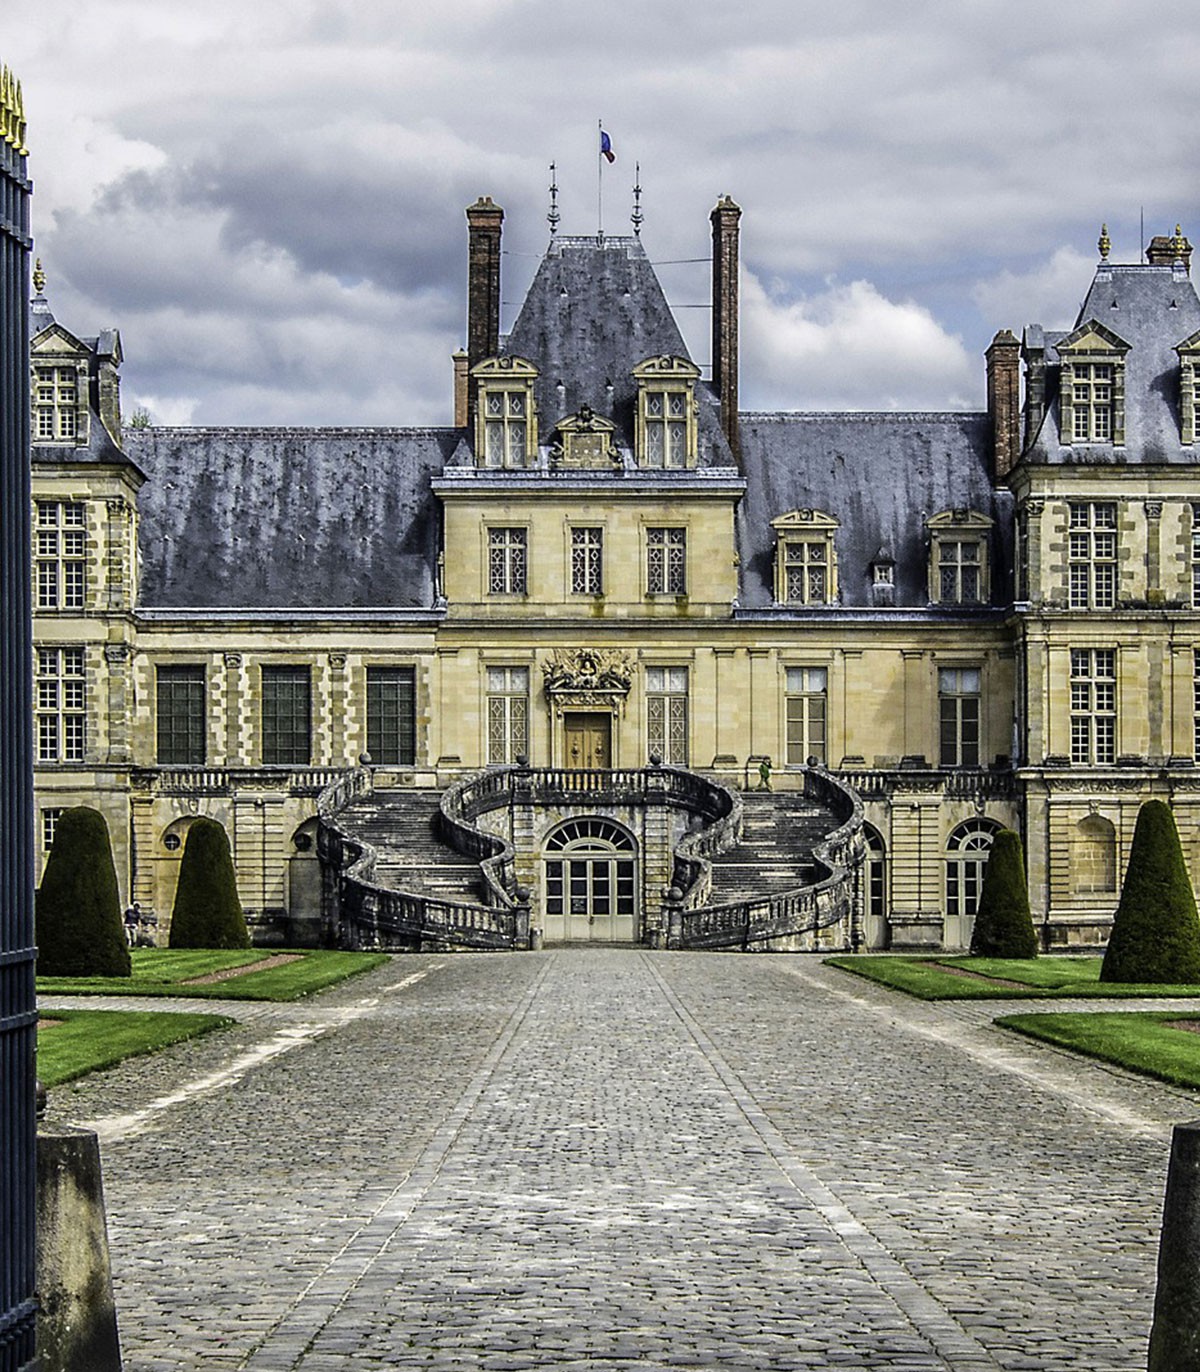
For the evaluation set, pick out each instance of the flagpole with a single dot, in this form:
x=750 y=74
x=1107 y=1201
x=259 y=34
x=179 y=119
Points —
x=599 y=180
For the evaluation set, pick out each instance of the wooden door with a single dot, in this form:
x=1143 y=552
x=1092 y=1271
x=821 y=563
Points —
x=588 y=740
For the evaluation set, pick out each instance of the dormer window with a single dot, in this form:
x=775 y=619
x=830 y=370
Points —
x=805 y=558
x=958 y=558
x=56 y=402
x=1093 y=386
x=505 y=412
x=666 y=413
x=1189 y=393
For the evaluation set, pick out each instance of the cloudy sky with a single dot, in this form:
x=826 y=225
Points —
x=267 y=199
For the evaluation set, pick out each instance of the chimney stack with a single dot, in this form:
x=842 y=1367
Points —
x=1004 y=402
x=483 y=279
x=725 y=317
x=1165 y=250
x=462 y=390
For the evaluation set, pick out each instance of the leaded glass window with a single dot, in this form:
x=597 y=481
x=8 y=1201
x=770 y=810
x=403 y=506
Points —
x=507 y=561
x=181 y=715
x=666 y=428
x=507 y=714
x=667 y=714
x=806 y=571
x=506 y=414
x=587 y=561
x=960 y=563
x=666 y=561
x=286 y=716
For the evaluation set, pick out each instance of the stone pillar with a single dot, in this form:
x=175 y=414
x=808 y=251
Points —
x=118 y=590
x=1004 y=402
x=725 y=219
x=77 y=1323
x=1154 y=588
x=117 y=661
x=234 y=756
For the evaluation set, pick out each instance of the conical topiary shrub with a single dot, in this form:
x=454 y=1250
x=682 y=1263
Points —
x=1003 y=925
x=1155 y=935
x=208 y=913
x=78 y=906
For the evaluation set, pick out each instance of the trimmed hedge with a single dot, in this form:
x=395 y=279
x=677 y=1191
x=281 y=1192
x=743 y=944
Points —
x=78 y=907
x=1003 y=924
x=207 y=913
x=1155 y=935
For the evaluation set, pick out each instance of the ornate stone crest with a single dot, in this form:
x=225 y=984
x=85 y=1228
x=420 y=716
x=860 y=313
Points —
x=588 y=671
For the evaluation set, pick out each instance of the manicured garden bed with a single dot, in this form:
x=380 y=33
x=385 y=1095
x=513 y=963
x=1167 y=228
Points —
x=74 y=1042
x=174 y=972
x=966 y=978
x=1152 y=1043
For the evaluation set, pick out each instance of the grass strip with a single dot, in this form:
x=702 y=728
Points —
x=1140 y=1042
x=1042 y=978
x=161 y=972
x=88 y=1040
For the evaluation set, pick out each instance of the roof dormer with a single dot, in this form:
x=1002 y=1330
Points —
x=505 y=412
x=665 y=434
x=1092 y=388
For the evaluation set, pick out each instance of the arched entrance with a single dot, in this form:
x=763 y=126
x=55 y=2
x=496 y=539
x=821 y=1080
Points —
x=590 y=888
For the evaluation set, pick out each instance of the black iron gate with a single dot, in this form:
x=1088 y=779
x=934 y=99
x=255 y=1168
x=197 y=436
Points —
x=18 y=1014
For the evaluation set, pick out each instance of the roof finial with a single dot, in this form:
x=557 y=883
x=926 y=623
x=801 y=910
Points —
x=637 y=216
x=553 y=217
x=1105 y=244
x=1178 y=243
x=39 y=277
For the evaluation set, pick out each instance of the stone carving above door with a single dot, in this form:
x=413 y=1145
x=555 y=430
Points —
x=588 y=673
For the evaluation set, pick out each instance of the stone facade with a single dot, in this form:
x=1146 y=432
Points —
x=976 y=620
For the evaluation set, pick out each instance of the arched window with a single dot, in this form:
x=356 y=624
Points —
x=874 y=889
x=1093 y=856
x=966 y=857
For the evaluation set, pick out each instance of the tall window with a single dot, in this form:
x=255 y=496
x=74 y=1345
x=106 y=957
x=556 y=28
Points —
x=1196 y=568
x=874 y=892
x=587 y=561
x=966 y=858
x=806 y=571
x=1092 y=555
x=507 y=714
x=60 y=551
x=805 y=715
x=666 y=561
x=181 y=715
x=1092 y=402
x=50 y=817
x=960 y=566
x=958 y=708
x=286 y=716
x=1196 y=704
x=507 y=562
x=506 y=414
x=667 y=714
x=61 y=704
x=55 y=404
x=1093 y=705
x=666 y=428
x=392 y=715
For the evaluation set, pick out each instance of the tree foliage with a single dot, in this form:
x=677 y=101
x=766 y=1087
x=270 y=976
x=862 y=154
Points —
x=1155 y=935
x=1003 y=924
x=78 y=906
x=208 y=913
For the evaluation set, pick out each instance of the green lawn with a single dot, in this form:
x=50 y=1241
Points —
x=162 y=972
x=1140 y=1042
x=86 y=1040
x=931 y=978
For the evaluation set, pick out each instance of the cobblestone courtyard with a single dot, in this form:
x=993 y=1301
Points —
x=601 y=1158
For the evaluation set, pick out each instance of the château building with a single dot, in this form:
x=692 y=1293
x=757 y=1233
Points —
x=630 y=663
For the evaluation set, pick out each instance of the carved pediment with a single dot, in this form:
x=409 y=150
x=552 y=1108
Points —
x=585 y=439
x=601 y=671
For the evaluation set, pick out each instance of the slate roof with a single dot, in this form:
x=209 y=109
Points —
x=263 y=518
x=882 y=476
x=1152 y=308
x=595 y=310
x=99 y=448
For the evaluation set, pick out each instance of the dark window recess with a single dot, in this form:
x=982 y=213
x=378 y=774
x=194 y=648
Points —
x=286 y=716
x=181 y=716
x=392 y=715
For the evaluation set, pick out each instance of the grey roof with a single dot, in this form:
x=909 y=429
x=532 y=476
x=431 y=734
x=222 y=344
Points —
x=881 y=475
x=1152 y=308
x=270 y=518
x=99 y=448
x=595 y=310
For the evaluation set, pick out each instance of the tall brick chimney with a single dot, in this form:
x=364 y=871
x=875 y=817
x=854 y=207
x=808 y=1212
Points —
x=725 y=317
x=1004 y=401
x=483 y=279
x=1165 y=250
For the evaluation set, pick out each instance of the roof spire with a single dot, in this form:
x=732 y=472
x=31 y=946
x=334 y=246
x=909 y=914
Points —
x=39 y=277
x=637 y=216
x=553 y=217
x=1105 y=243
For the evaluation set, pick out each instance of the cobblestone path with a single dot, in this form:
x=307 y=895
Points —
x=608 y=1158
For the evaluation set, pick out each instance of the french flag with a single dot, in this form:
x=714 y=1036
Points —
x=606 y=149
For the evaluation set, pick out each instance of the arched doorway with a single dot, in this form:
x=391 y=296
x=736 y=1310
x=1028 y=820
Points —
x=590 y=889
x=966 y=858
x=874 y=889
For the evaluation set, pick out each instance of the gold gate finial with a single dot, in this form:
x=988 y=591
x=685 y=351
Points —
x=39 y=277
